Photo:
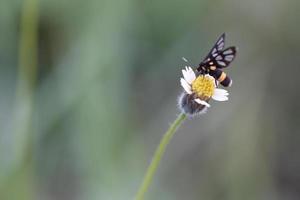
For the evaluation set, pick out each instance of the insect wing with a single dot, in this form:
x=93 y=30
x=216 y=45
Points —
x=225 y=57
x=214 y=52
x=218 y=46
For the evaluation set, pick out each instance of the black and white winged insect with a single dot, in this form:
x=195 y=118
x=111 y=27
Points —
x=217 y=59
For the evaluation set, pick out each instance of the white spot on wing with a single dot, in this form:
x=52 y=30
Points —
x=214 y=51
x=221 y=63
x=229 y=51
x=220 y=40
x=229 y=57
x=221 y=46
x=219 y=57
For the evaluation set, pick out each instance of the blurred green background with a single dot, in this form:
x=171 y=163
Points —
x=87 y=88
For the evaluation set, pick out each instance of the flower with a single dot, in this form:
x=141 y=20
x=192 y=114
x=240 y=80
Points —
x=198 y=90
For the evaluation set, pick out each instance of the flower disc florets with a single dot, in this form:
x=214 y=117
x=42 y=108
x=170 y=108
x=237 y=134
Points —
x=203 y=86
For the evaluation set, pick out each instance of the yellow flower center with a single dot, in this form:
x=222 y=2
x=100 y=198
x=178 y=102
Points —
x=203 y=86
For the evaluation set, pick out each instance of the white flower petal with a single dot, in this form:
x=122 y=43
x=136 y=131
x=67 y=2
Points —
x=192 y=74
x=186 y=86
x=220 y=97
x=216 y=83
x=190 y=69
x=202 y=102
x=188 y=74
x=219 y=91
x=184 y=73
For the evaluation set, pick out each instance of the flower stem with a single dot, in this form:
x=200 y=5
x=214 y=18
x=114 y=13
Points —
x=26 y=80
x=158 y=155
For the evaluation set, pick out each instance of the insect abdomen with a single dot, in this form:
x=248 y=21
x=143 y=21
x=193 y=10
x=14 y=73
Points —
x=222 y=77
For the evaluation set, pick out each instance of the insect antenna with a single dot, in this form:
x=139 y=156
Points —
x=185 y=60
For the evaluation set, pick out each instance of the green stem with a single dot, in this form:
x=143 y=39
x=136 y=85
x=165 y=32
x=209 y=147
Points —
x=27 y=74
x=158 y=155
x=20 y=176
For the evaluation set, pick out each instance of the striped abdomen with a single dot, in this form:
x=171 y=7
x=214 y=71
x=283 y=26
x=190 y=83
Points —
x=221 y=77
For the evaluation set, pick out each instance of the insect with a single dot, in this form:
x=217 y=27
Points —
x=217 y=59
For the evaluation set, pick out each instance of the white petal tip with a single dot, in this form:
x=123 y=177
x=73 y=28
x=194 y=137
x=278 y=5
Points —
x=220 y=98
x=199 y=101
x=185 y=86
x=188 y=75
x=221 y=92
